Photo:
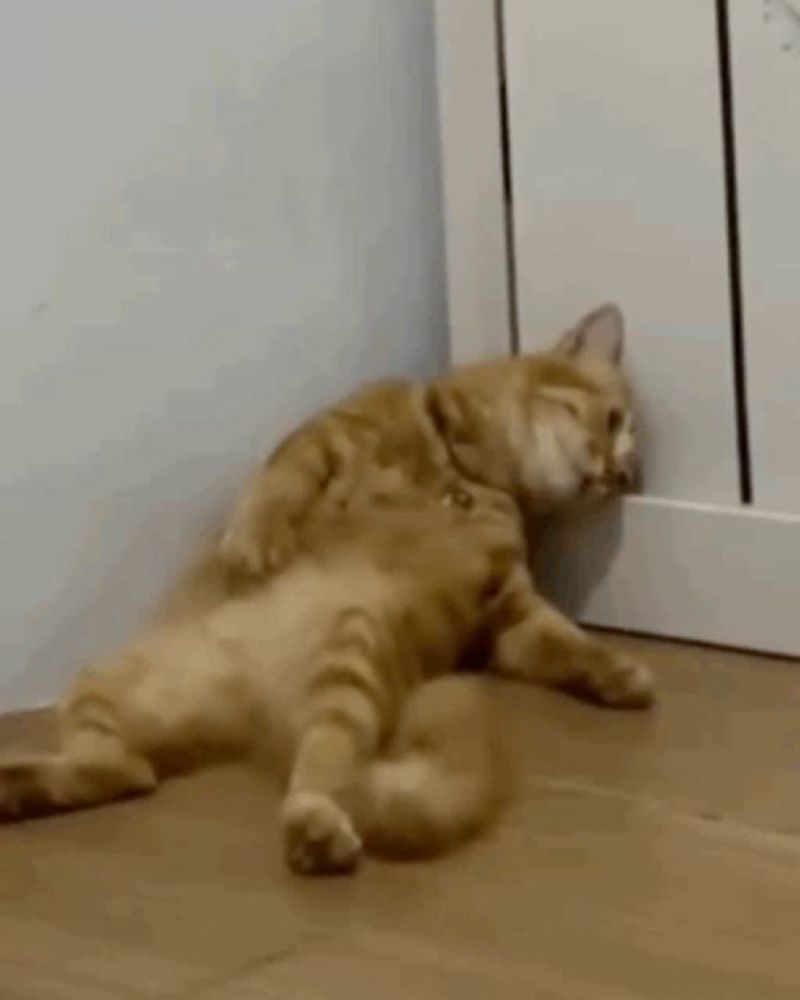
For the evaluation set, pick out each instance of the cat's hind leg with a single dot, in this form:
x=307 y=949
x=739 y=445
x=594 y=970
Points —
x=347 y=712
x=93 y=765
x=167 y=704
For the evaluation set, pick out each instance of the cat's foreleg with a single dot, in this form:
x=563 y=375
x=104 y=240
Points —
x=262 y=533
x=536 y=642
x=260 y=536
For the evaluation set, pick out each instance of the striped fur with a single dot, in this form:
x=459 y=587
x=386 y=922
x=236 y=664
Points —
x=548 y=430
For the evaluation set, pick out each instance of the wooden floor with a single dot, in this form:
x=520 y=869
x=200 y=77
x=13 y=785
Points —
x=646 y=857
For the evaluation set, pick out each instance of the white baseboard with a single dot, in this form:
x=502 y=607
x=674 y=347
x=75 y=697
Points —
x=722 y=575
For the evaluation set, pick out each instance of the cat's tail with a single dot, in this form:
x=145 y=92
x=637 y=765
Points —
x=445 y=775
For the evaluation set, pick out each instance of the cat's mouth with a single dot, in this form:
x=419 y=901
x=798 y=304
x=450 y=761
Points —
x=621 y=481
x=596 y=487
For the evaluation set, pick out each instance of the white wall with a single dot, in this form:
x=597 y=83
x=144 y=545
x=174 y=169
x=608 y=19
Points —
x=215 y=214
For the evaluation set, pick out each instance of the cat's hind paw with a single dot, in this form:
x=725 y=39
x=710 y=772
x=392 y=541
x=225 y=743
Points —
x=319 y=836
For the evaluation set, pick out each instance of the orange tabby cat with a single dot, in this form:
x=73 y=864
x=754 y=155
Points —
x=401 y=548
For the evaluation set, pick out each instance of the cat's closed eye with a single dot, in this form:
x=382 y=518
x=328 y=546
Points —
x=571 y=409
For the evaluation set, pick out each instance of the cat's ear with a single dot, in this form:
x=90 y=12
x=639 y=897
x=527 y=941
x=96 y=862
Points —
x=599 y=335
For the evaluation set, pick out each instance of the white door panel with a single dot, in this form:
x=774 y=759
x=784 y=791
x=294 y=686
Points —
x=724 y=575
x=618 y=194
x=766 y=75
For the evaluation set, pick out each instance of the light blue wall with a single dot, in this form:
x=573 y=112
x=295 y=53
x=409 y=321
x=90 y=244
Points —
x=216 y=215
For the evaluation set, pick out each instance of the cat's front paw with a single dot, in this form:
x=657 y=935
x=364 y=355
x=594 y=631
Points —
x=319 y=836
x=245 y=550
x=626 y=684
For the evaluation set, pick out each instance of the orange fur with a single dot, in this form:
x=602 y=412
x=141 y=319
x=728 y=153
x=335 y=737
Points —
x=377 y=548
x=534 y=427
x=445 y=776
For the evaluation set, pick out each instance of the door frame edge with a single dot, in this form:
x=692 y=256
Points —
x=474 y=195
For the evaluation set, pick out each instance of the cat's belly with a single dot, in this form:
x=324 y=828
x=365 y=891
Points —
x=275 y=637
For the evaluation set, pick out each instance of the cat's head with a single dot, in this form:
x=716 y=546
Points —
x=581 y=420
x=555 y=428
